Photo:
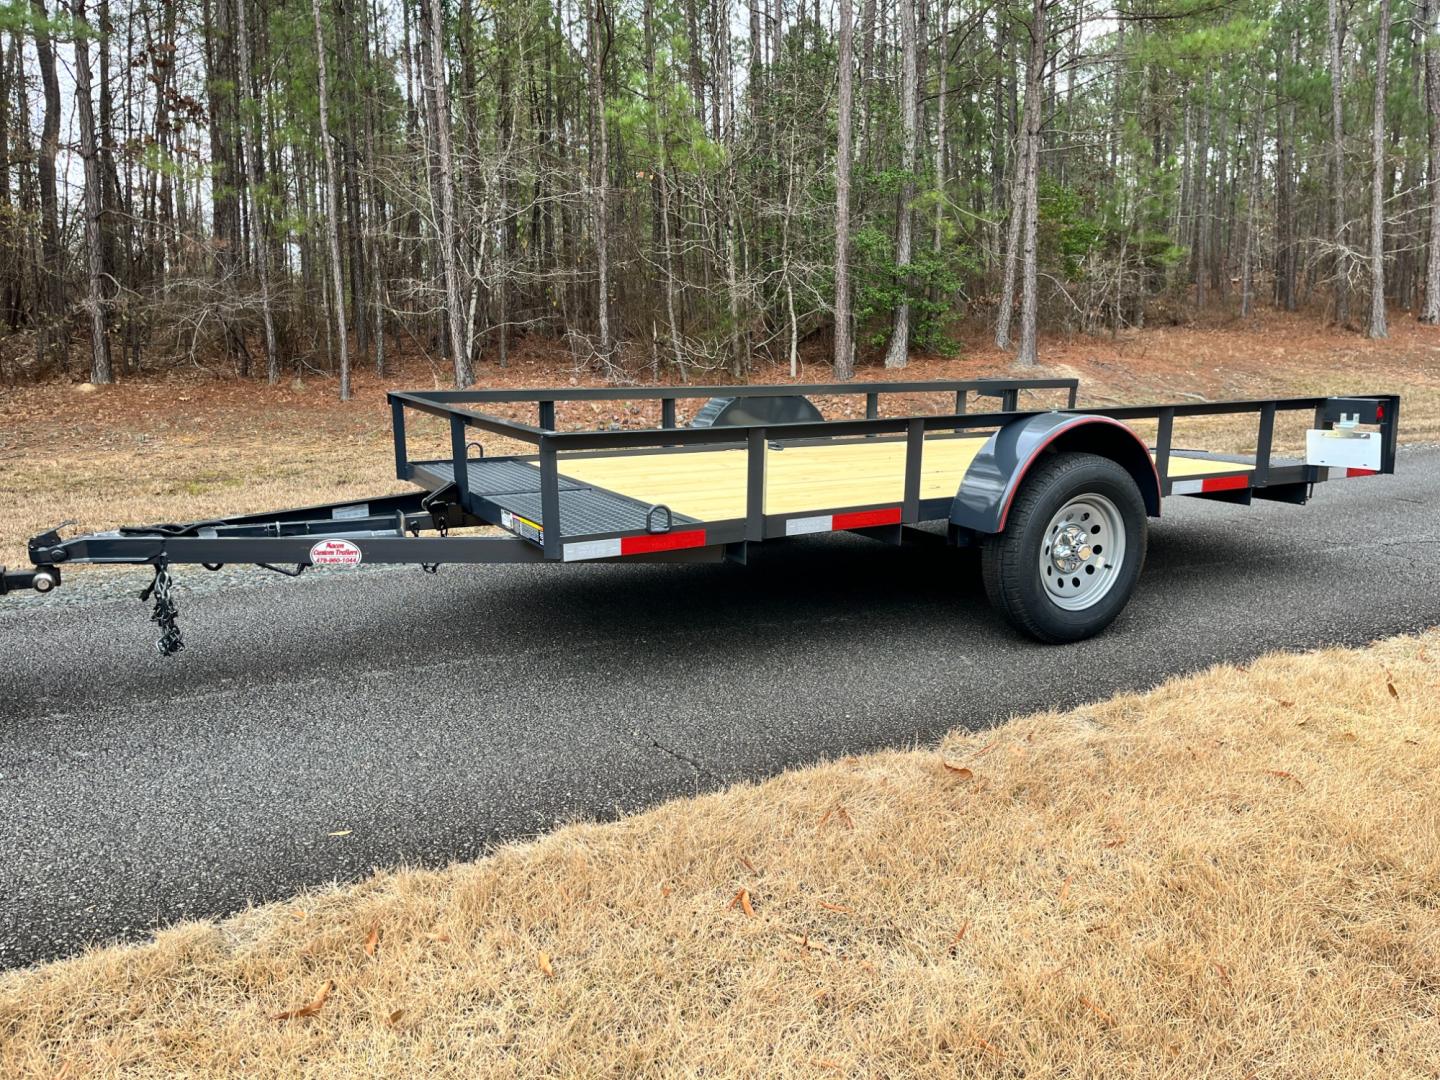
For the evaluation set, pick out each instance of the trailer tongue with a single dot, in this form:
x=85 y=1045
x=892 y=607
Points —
x=1057 y=498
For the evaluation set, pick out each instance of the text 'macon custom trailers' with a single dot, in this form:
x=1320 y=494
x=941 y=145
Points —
x=1057 y=498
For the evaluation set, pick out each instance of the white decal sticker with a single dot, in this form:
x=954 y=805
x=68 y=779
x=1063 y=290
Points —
x=346 y=513
x=335 y=553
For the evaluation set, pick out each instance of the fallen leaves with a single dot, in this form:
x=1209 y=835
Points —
x=1106 y=1018
x=989 y=1048
x=742 y=900
x=1281 y=774
x=311 y=1007
x=839 y=909
x=959 y=936
x=803 y=940
x=840 y=815
x=962 y=771
x=543 y=963
x=372 y=941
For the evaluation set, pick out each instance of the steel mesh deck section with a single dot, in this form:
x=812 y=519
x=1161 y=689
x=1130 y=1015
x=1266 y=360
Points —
x=515 y=486
x=487 y=478
x=587 y=511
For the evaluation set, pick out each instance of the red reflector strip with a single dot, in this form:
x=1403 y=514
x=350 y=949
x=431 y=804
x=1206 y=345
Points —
x=671 y=541
x=1226 y=483
x=1362 y=472
x=864 y=519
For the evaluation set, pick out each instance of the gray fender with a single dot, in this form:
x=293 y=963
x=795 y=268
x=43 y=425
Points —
x=983 y=502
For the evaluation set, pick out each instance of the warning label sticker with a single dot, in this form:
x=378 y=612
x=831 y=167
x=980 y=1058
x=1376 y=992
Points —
x=335 y=553
x=522 y=526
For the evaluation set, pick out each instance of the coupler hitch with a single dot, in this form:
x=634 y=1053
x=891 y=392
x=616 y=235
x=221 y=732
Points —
x=41 y=579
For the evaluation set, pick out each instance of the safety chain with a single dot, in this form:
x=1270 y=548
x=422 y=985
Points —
x=442 y=526
x=171 y=641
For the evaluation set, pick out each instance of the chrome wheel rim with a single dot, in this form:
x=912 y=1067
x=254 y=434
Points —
x=1082 y=552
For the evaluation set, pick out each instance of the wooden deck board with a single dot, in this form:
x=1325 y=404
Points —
x=1182 y=467
x=709 y=485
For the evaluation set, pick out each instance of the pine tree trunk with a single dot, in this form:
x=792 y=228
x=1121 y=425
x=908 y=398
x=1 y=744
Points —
x=100 y=369
x=345 y=27
x=660 y=230
x=1287 y=256
x=1200 y=242
x=438 y=96
x=1024 y=170
x=259 y=231
x=844 y=340
x=221 y=85
x=941 y=120
x=600 y=175
x=1337 y=168
x=52 y=272
x=9 y=250
x=899 y=350
x=730 y=218
x=867 y=79
x=1377 y=328
x=332 y=226
x=1430 y=312
x=1252 y=208
x=1029 y=295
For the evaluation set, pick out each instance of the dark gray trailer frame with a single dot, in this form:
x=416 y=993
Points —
x=528 y=495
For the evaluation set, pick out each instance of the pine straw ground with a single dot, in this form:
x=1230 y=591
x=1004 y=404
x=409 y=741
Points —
x=1235 y=875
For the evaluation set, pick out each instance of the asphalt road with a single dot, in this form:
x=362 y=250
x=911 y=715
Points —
x=429 y=717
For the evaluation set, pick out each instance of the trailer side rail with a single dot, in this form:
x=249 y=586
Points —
x=1268 y=478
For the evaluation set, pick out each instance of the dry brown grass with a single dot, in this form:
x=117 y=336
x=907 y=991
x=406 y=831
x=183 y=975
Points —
x=1235 y=875
x=193 y=447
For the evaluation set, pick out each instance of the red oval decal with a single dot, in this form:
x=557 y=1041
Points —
x=335 y=553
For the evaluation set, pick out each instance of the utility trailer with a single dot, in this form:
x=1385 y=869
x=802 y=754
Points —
x=1056 y=497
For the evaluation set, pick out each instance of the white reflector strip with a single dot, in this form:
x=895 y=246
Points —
x=592 y=549
x=1235 y=482
x=802 y=526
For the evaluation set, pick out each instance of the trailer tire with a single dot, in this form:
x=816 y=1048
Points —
x=1077 y=518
